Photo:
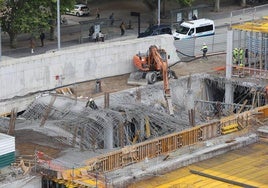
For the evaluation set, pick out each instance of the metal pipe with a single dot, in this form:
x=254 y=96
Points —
x=222 y=179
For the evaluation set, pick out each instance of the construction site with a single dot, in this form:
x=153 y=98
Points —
x=164 y=113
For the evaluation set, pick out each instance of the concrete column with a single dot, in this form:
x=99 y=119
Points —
x=239 y=32
x=261 y=50
x=228 y=85
x=108 y=137
x=250 y=48
x=189 y=100
x=266 y=51
x=229 y=51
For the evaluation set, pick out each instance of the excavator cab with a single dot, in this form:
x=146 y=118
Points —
x=153 y=66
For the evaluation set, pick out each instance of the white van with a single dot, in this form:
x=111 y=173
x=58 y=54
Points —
x=194 y=28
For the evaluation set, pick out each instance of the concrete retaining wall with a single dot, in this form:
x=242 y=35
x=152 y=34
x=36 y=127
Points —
x=20 y=77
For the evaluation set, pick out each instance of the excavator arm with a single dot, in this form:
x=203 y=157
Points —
x=155 y=61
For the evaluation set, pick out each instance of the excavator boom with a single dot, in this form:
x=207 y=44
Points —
x=152 y=63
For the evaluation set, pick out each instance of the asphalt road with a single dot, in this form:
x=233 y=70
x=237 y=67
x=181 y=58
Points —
x=71 y=32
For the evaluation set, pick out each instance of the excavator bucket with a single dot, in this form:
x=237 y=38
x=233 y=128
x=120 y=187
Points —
x=170 y=107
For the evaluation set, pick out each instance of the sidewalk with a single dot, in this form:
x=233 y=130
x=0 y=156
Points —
x=221 y=19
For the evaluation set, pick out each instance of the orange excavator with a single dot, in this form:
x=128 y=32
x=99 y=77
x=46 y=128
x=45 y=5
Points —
x=153 y=66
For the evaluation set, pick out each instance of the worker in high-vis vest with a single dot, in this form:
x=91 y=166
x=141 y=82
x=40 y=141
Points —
x=241 y=56
x=204 y=49
x=235 y=56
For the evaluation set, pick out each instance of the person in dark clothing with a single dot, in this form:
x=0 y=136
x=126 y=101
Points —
x=111 y=19
x=91 y=31
x=246 y=57
x=194 y=17
x=42 y=38
x=122 y=28
x=91 y=103
x=98 y=14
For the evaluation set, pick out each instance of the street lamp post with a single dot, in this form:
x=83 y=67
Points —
x=58 y=22
x=158 y=18
x=0 y=43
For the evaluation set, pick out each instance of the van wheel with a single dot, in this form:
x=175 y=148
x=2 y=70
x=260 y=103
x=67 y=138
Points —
x=77 y=14
x=151 y=77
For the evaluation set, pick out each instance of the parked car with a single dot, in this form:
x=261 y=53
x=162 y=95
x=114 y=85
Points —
x=79 y=10
x=156 y=30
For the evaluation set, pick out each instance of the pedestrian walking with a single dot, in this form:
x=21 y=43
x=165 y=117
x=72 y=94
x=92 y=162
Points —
x=42 y=38
x=32 y=44
x=122 y=28
x=204 y=49
x=194 y=17
x=98 y=14
x=91 y=31
x=111 y=19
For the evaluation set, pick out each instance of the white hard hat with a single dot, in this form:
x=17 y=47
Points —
x=90 y=99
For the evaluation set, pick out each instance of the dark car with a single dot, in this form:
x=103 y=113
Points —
x=156 y=30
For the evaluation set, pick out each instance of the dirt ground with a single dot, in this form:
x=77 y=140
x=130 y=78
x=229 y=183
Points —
x=117 y=83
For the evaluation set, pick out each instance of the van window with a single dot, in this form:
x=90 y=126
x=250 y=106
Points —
x=191 y=31
x=204 y=28
x=183 y=30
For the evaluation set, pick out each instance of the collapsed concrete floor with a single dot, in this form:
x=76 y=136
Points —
x=69 y=133
x=130 y=116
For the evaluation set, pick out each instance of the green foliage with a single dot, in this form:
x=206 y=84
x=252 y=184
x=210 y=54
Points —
x=2 y=3
x=186 y=3
x=29 y=16
x=24 y=16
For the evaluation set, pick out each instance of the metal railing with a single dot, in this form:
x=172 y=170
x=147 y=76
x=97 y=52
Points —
x=248 y=14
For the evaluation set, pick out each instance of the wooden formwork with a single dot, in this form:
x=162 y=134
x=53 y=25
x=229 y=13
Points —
x=153 y=148
x=165 y=144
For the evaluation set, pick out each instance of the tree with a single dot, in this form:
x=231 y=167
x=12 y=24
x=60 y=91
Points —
x=186 y=3
x=243 y=3
x=29 y=16
x=52 y=5
x=217 y=5
x=23 y=16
